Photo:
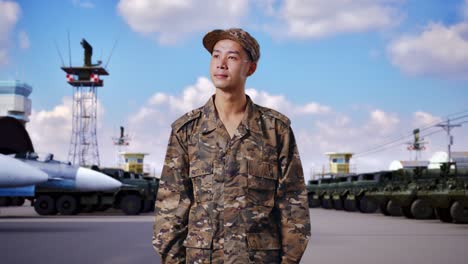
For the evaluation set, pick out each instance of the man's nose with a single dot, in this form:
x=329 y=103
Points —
x=222 y=63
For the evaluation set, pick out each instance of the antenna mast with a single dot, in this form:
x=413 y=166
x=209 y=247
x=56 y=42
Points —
x=448 y=127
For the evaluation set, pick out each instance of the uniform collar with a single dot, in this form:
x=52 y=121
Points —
x=251 y=120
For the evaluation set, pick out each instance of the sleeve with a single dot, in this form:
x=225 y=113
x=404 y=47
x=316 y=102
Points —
x=173 y=204
x=292 y=201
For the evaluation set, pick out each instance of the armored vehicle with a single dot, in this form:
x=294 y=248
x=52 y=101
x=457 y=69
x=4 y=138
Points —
x=459 y=196
x=366 y=182
x=448 y=195
x=323 y=194
x=382 y=191
x=339 y=193
x=349 y=194
x=137 y=194
x=312 y=194
x=404 y=193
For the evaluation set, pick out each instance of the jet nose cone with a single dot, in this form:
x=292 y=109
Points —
x=90 y=180
x=15 y=173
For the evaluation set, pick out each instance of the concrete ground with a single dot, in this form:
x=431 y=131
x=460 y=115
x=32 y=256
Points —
x=337 y=237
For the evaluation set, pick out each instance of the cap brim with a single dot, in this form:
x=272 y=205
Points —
x=214 y=36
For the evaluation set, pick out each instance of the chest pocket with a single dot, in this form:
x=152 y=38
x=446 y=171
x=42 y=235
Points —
x=261 y=183
x=202 y=181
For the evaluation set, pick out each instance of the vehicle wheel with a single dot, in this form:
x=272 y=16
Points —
x=67 y=205
x=444 y=215
x=383 y=209
x=338 y=204
x=131 y=204
x=393 y=209
x=350 y=205
x=421 y=209
x=310 y=199
x=315 y=203
x=45 y=205
x=459 y=213
x=406 y=210
x=147 y=204
x=324 y=203
x=5 y=201
x=17 y=201
x=367 y=205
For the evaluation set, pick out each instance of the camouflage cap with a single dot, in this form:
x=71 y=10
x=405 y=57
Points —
x=236 y=34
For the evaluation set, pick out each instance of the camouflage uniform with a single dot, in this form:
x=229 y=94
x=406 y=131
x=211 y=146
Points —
x=232 y=200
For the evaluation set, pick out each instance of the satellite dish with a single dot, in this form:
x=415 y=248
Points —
x=395 y=165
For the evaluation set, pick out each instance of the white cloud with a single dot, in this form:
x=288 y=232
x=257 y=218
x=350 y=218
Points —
x=320 y=18
x=50 y=130
x=424 y=119
x=383 y=122
x=314 y=108
x=23 y=40
x=282 y=104
x=172 y=20
x=10 y=12
x=438 y=50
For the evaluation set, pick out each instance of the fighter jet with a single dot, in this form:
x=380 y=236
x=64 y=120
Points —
x=15 y=173
x=66 y=176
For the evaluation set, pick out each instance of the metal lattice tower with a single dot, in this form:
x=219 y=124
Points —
x=121 y=143
x=417 y=145
x=85 y=80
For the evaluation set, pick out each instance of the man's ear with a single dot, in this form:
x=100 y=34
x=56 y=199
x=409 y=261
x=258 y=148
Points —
x=252 y=68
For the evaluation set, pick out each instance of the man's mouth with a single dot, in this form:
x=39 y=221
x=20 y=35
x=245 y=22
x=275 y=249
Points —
x=221 y=76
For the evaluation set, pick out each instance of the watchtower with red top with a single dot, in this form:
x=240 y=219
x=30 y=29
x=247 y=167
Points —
x=85 y=80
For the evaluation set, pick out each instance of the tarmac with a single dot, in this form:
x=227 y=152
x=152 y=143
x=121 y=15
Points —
x=337 y=237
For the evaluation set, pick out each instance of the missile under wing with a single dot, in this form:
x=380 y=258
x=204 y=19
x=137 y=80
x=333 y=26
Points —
x=15 y=173
x=66 y=176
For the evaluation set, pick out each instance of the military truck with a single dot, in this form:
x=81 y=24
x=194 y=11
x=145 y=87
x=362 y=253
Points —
x=325 y=190
x=349 y=194
x=449 y=194
x=312 y=194
x=137 y=194
x=341 y=190
x=366 y=182
x=403 y=194
x=382 y=191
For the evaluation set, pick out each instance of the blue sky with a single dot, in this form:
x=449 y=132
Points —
x=350 y=74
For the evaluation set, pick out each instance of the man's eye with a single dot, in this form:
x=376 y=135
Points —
x=232 y=58
x=215 y=56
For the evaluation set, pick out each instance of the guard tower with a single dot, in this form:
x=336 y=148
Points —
x=339 y=162
x=133 y=162
x=85 y=80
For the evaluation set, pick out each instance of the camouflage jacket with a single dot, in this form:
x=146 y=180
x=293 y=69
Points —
x=231 y=200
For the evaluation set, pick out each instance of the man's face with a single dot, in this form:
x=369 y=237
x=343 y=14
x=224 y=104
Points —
x=230 y=65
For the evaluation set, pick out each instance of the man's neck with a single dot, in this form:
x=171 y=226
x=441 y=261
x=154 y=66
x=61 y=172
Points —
x=230 y=105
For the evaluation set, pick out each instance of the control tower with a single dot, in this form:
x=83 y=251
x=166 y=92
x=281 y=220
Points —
x=14 y=100
x=85 y=80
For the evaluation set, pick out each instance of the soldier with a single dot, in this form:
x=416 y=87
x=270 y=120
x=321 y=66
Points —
x=232 y=187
